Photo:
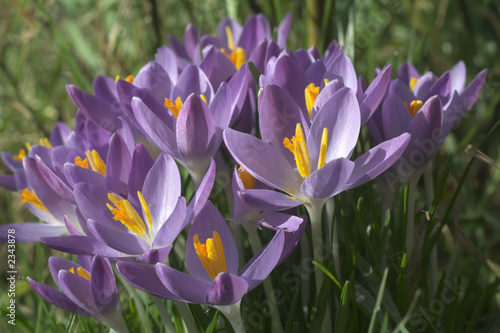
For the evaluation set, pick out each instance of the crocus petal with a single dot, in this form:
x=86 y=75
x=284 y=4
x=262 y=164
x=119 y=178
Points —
x=31 y=231
x=423 y=128
x=57 y=298
x=470 y=94
x=193 y=81
x=154 y=79
x=99 y=110
x=284 y=30
x=118 y=165
x=217 y=67
x=140 y=166
x=325 y=94
x=377 y=160
x=341 y=116
x=328 y=180
x=78 y=290
x=56 y=205
x=8 y=182
x=406 y=72
x=167 y=59
x=342 y=66
x=76 y=174
x=316 y=72
x=256 y=28
x=121 y=241
x=52 y=180
x=125 y=132
x=91 y=201
x=374 y=94
x=235 y=27
x=105 y=88
x=458 y=76
x=154 y=256
x=170 y=229
x=56 y=264
x=441 y=88
x=289 y=75
x=423 y=85
x=195 y=134
x=277 y=221
x=143 y=277
x=60 y=156
x=226 y=289
x=201 y=195
x=59 y=134
x=264 y=261
x=160 y=133
x=395 y=116
x=81 y=245
x=268 y=200
x=292 y=240
x=208 y=221
x=162 y=188
x=103 y=286
x=71 y=228
x=262 y=161
x=278 y=116
x=183 y=286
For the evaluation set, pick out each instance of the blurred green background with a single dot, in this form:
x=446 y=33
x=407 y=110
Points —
x=45 y=45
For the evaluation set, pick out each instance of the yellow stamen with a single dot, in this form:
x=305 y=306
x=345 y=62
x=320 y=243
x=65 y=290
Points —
x=28 y=146
x=83 y=273
x=176 y=107
x=326 y=81
x=72 y=270
x=145 y=209
x=211 y=254
x=238 y=57
x=230 y=40
x=247 y=179
x=129 y=79
x=20 y=156
x=96 y=162
x=45 y=143
x=299 y=149
x=126 y=214
x=311 y=93
x=84 y=163
x=414 y=107
x=204 y=98
x=31 y=198
x=322 y=149
x=413 y=82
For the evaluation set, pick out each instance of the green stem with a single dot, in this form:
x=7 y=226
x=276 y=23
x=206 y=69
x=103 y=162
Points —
x=186 y=316
x=315 y=212
x=410 y=225
x=330 y=218
x=138 y=301
x=429 y=196
x=256 y=245
x=165 y=318
x=233 y=314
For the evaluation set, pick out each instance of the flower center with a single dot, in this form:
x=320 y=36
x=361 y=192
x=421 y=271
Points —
x=129 y=78
x=211 y=254
x=247 y=179
x=81 y=272
x=236 y=55
x=94 y=160
x=31 y=198
x=175 y=107
x=298 y=147
x=413 y=82
x=414 y=107
x=128 y=216
x=311 y=93
x=22 y=153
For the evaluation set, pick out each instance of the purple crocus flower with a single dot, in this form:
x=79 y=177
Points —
x=145 y=227
x=212 y=260
x=45 y=178
x=88 y=289
x=427 y=107
x=309 y=164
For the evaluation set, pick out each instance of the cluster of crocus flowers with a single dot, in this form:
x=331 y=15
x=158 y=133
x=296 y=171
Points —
x=111 y=192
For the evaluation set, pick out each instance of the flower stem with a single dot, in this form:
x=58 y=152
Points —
x=138 y=301
x=256 y=245
x=330 y=209
x=233 y=314
x=410 y=211
x=429 y=196
x=186 y=316
x=315 y=212
x=160 y=306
